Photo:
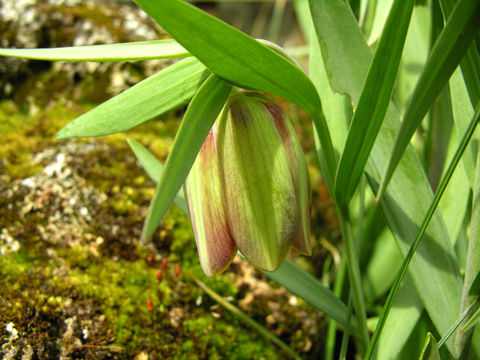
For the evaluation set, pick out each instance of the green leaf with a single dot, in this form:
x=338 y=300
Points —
x=421 y=232
x=430 y=349
x=474 y=319
x=373 y=101
x=241 y=60
x=462 y=114
x=312 y=291
x=159 y=93
x=347 y=57
x=475 y=287
x=231 y=54
x=199 y=118
x=289 y=275
x=154 y=168
x=142 y=50
x=470 y=64
x=451 y=45
x=404 y=316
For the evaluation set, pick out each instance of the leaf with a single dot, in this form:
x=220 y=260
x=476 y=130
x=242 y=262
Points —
x=241 y=60
x=312 y=291
x=289 y=275
x=154 y=168
x=346 y=57
x=430 y=349
x=462 y=114
x=470 y=63
x=199 y=118
x=475 y=287
x=426 y=221
x=474 y=319
x=133 y=51
x=373 y=101
x=451 y=45
x=231 y=54
x=159 y=93
x=404 y=316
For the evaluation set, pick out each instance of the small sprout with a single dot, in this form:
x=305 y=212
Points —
x=164 y=263
x=149 y=305
x=159 y=275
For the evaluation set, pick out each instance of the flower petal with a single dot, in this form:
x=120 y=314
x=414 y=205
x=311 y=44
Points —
x=203 y=193
x=259 y=193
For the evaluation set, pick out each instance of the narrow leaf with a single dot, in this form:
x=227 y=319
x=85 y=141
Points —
x=474 y=319
x=475 y=287
x=470 y=64
x=199 y=118
x=154 y=168
x=159 y=93
x=312 y=291
x=134 y=51
x=462 y=114
x=373 y=101
x=404 y=316
x=346 y=57
x=421 y=232
x=231 y=54
x=430 y=349
x=452 y=43
x=289 y=275
x=241 y=60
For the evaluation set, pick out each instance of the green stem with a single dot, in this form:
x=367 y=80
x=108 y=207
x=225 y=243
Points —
x=355 y=278
x=332 y=324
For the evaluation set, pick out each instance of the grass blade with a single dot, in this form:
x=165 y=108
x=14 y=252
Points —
x=312 y=291
x=430 y=349
x=346 y=57
x=470 y=64
x=452 y=43
x=373 y=101
x=133 y=51
x=159 y=93
x=199 y=118
x=472 y=268
x=154 y=168
x=462 y=113
x=231 y=54
x=241 y=60
x=403 y=270
x=404 y=316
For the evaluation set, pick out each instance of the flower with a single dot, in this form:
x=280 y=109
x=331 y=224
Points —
x=248 y=189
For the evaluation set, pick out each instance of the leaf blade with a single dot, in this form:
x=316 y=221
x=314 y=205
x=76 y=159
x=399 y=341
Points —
x=199 y=118
x=154 y=96
x=154 y=168
x=451 y=45
x=133 y=51
x=241 y=60
x=409 y=193
x=373 y=102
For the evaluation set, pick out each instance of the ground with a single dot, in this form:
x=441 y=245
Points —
x=76 y=281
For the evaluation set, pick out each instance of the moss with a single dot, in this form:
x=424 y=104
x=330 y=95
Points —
x=107 y=285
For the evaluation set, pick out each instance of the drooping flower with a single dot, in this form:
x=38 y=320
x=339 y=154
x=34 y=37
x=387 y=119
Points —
x=248 y=188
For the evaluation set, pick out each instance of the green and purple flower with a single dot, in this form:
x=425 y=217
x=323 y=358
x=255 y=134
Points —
x=248 y=189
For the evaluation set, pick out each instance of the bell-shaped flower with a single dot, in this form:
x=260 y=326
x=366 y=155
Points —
x=248 y=188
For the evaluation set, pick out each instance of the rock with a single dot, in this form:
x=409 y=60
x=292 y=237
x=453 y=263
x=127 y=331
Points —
x=56 y=23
